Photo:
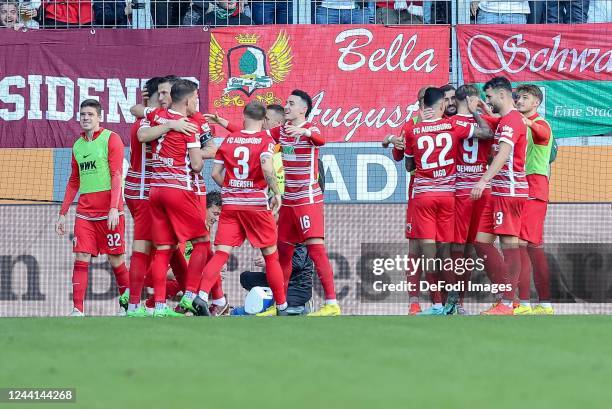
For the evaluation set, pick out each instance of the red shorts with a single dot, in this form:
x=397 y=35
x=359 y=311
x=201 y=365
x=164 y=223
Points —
x=177 y=216
x=433 y=217
x=299 y=223
x=94 y=237
x=468 y=213
x=141 y=213
x=502 y=216
x=257 y=226
x=532 y=221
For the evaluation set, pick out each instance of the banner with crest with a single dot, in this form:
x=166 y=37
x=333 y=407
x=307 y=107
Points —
x=363 y=79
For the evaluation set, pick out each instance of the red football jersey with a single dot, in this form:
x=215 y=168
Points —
x=472 y=156
x=433 y=144
x=138 y=178
x=171 y=164
x=300 y=161
x=511 y=179
x=244 y=185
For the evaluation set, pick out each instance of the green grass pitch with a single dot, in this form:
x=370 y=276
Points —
x=345 y=362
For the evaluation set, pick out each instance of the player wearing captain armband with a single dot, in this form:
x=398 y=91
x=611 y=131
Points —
x=540 y=154
x=99 y=228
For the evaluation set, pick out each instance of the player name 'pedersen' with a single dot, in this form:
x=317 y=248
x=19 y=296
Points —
x=241 y=183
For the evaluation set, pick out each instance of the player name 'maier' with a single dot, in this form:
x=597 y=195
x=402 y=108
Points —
x=241 y=183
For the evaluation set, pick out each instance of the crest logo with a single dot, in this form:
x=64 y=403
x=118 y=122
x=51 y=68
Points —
x=248 y=68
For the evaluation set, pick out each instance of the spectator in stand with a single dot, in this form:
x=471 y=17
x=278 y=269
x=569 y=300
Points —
x=399 y=12
x=219 y=13
x=67 y=13
x=342 y=12
x=272 y=12
x=500 y=12
x=19 y=15
x=600 y=11
x=436 y=12
x=110 y=13
x=567 y=12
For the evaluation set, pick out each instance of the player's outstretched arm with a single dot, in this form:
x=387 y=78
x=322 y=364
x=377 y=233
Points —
x=498 y=162
x=267 y=167
x=195 y=157
x=217 y=172
x=115 y=165
x=216 y=119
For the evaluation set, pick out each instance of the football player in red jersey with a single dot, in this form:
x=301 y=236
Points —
x=399 y=144
x=243 y=168
x=99 y=227
x=137 y=186
x=430 y=149
x=178 y=214
x=509 y=190
x=450 y=101
x=472 y=160
x=301 y=217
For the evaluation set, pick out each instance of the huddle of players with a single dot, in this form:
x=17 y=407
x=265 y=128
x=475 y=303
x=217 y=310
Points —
x=475 y=178
x=167 y=198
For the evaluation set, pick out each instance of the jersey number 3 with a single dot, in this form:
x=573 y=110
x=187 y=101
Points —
x=242 y=154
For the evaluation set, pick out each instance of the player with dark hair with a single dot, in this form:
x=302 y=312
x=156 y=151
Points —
x=243 y=168
x=177 y=212
x=472 y=160
x=99 y=228
x=449 y=100
x=509 y=190
x=540 y=143
x=430 y=149
x=399 y=145
x=301 y=217
x=137 y=186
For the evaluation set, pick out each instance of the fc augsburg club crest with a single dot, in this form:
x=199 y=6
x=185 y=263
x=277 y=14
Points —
x=248 y=66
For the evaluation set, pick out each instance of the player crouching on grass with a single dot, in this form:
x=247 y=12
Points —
x=243 y=168
x=97 y=159
x=540 y=144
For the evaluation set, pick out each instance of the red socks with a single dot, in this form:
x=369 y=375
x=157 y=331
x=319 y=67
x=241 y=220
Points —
x=318 y=255
x=212 y=270
x=122 y=275
x=199 y=257
x=285 y=257
x=524 y=284
x=541 y=273
x=216 y=292
x=139 y=263
x=79 y=283
x=159 y=269
x=512 y=260
x=493 y=261
x=274 y=276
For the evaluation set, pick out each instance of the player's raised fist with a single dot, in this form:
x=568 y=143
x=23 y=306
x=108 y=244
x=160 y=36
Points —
x=60 y=225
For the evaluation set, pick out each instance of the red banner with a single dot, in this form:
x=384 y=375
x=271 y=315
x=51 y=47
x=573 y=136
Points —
x=363 y=80
x=44 y=76
x=536 y=52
